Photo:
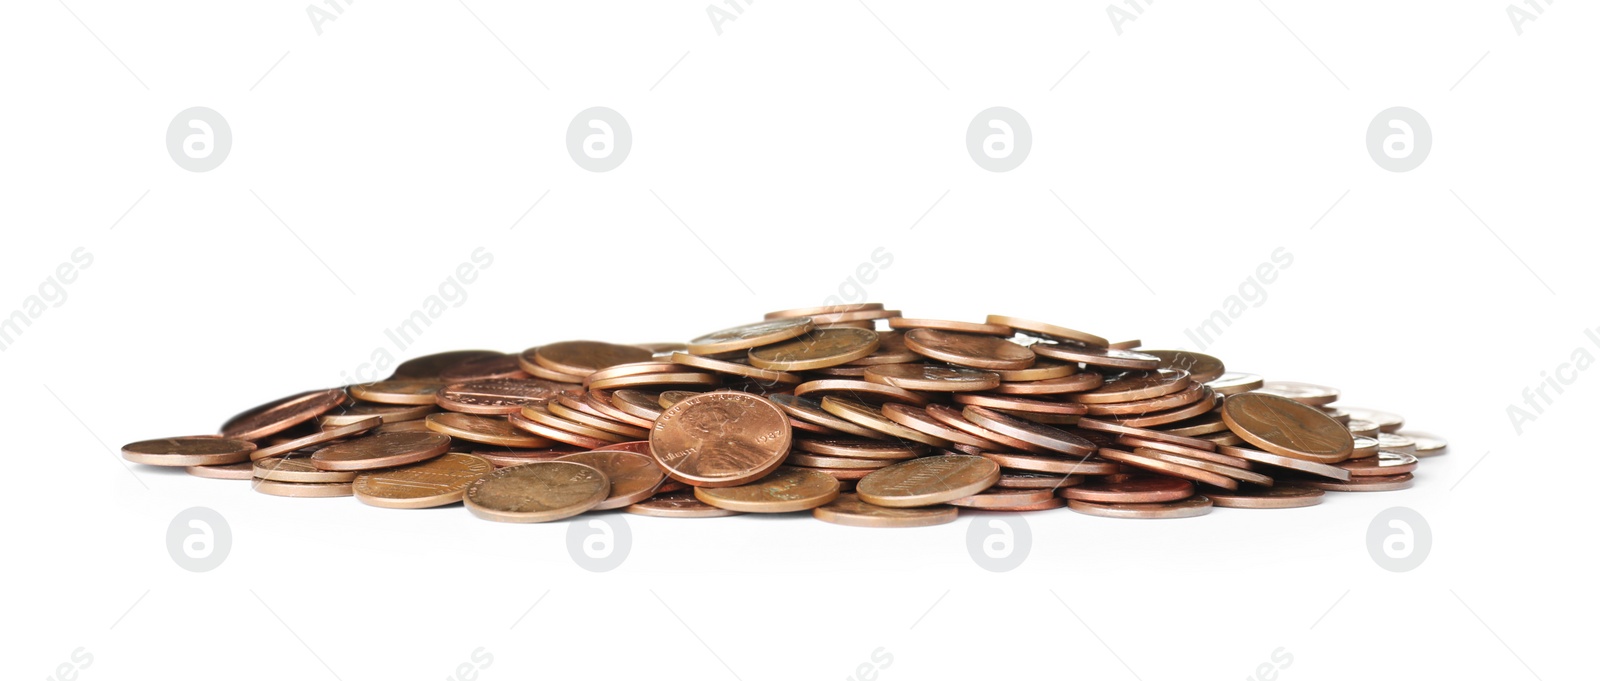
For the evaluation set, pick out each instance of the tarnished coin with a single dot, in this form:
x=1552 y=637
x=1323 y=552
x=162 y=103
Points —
x=278 y=416
x=1287 y=427
x=748 y=336
x=1039 y=435
x=1136 y=386
x=239 y=470
x=188 y=451
x=413 y=391
x=296 y=468
x=319 y=437
x=1280 y=495
x=430 y=366
x=848 y=509
x=634 y=476
x=816 y=349
x=582 y=357
x=720 y=439
x=784 y=490
x=1234 y=382
x=927 y=481
x=537 y=492
x=481 y=368
x=484 y=430
x=1304 y=393
x=1132 y=489
x=998 y=498
x=678 y=505
x=1385 y=483
x=435 y=482
x=1385 y=463
x=869 y=416
x=1048 y=330
x=1258 y=456
x=501 y=395
x=946 y=325
x=1100 y=357
x=1200 y=366
x=387 y=413
x=933 y=377
x=969 y=350
x=303 y=489
x=1190 y=507
x=380 y=451
x=1387 y=422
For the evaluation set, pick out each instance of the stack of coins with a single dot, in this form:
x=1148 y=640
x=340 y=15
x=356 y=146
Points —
x=854 y=413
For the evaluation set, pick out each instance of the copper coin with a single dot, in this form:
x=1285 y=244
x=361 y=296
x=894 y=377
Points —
x=720 y=439
x=1120 y=429
x=411 y=391
x=953 y=418
x=1136 y=386
x=1134 y=344
x=816 y=349
x=736 y=369
x=387 y=413
x=670 y=397
x=1191 y=452
x=1002 y=498
x=1258 y=456
x=1100 y=357
x=969 y=350
x=932 y=377
x=188 y=451
x=928 y=480
x=684 y=379
x=748 y=336
x=1208 y=401
x=784 y=490
x=891 y=350
x=918 y=419
x=528 y=361
x=634 y=476
x=1304 y=393
x=1337 y=413
x=1390 y=442
x=637 y=402
x=836 y=462
x=1043 y=369
x=1204 y=424
x=1233 y=383
x=296 y=468
x=1235 y=472
x=1200 y=366
x=319 y=437
x=435 y=482
x=1385 y=463
x=848 y=509
x=810 y=410
x=861 y=449
x=1227 y=438
x=565 y=434
x=1281 y=495
x=1190 y=507
x=823 y=309
x=582 y=357
x=859 y=390
x=1053 y=502
x=516 y=457
x=601 y=401
x=1075 y=383
x=1287 y=428
x=402 y=427
x=239 y=470
x=501 y=395
x=537 y=492
x=1009 y=403
x=275 y=417
x=1051 y=464
x=1152 y=463
x=945 y=325
x=303 y=489
x=678 y=505
x=1427 y=445
x=840 y=319
x=542 y=414
x=380 y=451
x=575 y=410
x=635 y=369
x=1192 y=394
x=869 y=416
x=1361 y=428
x=1387 y=422
x=1387 y=483
x=429 y=366
x=1036 y=434
x=1365 y=447
x=482 y=368
x=843 y=475
x=1029 y=480
x=1134 y=489
x=1048 y=330
x=487 y=430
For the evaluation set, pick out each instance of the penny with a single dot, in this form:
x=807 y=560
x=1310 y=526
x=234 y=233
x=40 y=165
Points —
x=1387 y=483
x=1053 y=502
x=1043 y=369
x=1037 y=434
x=1136 y=386
x=238 y=470
x=583 y=357
x=1194 y=392
x=319 y=437
x=954 y=418
x=380 y=451
x=1427 y=445
x=430 y=366
x=928 y=480
x=678 y=505
x=1233 y=383
x=1051 y=464
x=1385 y=463
x=1190 y=507
x=868 y=416
x=1387 y=422
x=516 y=457
x=720 y=439
x=635 y=369
x=945 y=325
x=303 y=489
x=409 y=391
x=188 y=451
x=1191 y=452
x=435 y=482
x=827 y=319
x=634 y=476
x=1048 y=330
x=1360 y=428
x=387 y=413
x=1029 y=480
x=574 y=410
x=736 y=369
x=969 y=350
x=816 y=349
x=1145 y=433
x=528 y=361
x=1204 y=424
x=784 y=490
x=670 y=397
x=1014 y=404
x=1235 y=472
x=296 y=468
x=1281 y=495
x=748 y=336
x=932 y=377
x=848 y=509
x=401 y=427
x=1152 y=463
x=1200 y=366
x=1287 y=427
x=918 y=419
x=1365 y=447
x=1134 y=489
x=657 y=380
x=1127 y=344
x=836 y=462
x=891 y=350
x=637 y=402
x=1075 y=383
x=1390 y=442
x=1227 y=438
x=861 y=449
x=541 y=415
x=1100 y=357
x=859 y=390
x=500 y=395
x=484 y=430
x=602 y=402
x=843 y=475
x=278 y=416
x=482 y=368
x=810 y=410
x=537 y=492
x=1207 y=402
x=1304 y=393
x=1004 y=498
x=1258 y=456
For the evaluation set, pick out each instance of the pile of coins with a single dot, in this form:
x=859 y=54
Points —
x=852 y=412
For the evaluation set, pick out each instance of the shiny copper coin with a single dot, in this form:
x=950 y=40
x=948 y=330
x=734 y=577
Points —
x=528 y=361
x=1048 y=330
x=1036 y=434
x=891 y=350
x=1227 y=438
x=946 y=325
x=861 y=449
x=1387 y=483
x=1051 y=464
x=668 y=398
x=843 y=475
x=1152 y=463
x=636 y=368
x=1134 y=489
x=1029 y=480
x=1127 y=441
x=836 y=462
x=1258 y=456
x=679 y=379
x=784 y=490
x=823 y=309
x=848 y=509
x=296 y=468
x=537 y=492
x=418 y=426
x=636 y=446
x=642 y=404
x=601 y=401
x=918 y=419
x=810 y=410
x=188 y=451
x=1126 y=345
x=720 y=439
x=952 y=417
x=839 y=319
x=736 y=369
x=1236 y=472
x=678 y=505
x=582 y=357
x=501 y=395
x=387 y=413
x=870 y=416
x=1385 y=463
x=1003 y=498
x=1204 y=424
x=487 y=430
x=429 y=366
x=1190 y=507
x=303 y=489
x=1390 y=442
x=540 y=415
x=1113 y=427
x=482 y=368
x=278 y=416
x=816 y=349
x=969 y=350
x=412 y=391
x=1043 y=369
x=1100 y=357
x=1281 y=495
x=859 y=390
x=380 y=451
x=1304 y=393
x=1233 y=383
x=1053 y=502
x=1191 y=394
x=435 y=482
x=932 y=377
x=634 y=476
x=239 y=470
x=1387 y=422
x=515 y=457
x=1208 y=402
x=1287 y=428
x=1075 y=383
x=748 y=336
x=928 y=480
x=1200 y=366
x=1009 y=403
x=576 y=411
x=1037 y=417
x=1427 y=445
x=1136 y=386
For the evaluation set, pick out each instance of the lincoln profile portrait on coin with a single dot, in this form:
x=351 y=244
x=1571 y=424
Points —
x=719 y=446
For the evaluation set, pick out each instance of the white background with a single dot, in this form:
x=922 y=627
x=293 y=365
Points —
x=791 y=145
